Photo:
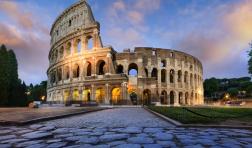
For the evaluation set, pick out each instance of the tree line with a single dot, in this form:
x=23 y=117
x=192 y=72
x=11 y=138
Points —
x=13 y=91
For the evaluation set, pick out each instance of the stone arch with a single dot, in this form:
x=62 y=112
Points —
x=87 y=95
x=163 y=64
x=88 y=69
x=146 y=72
x=186 y=77
x=191 y=79
x=61 y=52
x=66 y=72
x=172 y=97
x=66 y=95
x=187 y=102
x=90 y=43
x=163 y=75
x=76 y=94
x=59 y=74
x=101 y=67
x=76 y=71
x=55 y=55
x=179 y=76
x=172 y=73
x=181 y=98
x=191 y=98
x=119 y=69
x=68 y=48
x=77 y=46
x=133 y=69
x=154 y=73
x=100 y=95
x=163 y=99
x=115 y=95
x=146 y=97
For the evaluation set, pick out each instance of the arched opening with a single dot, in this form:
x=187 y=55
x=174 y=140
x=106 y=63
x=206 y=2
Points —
x=180 y=98
x=163 y=64
x=163 y=99
x=133 y=69
x=186 y=98
x=154 y=73
x=66 y=95
x=172 y=97
x=191 y=79
x=56 y=55
x=101 y=67
x=186 y=77
x=146 y=97
x=67 y=72
x=119 y=69
x=89 y=69
x=115 y=95
x=59 y=73
x=163 y=75
x=68 y=48
x=133 y=98
x=90 y=43
x=76 y=71
x=146 y=72
x=76 y=95
x=100 y=95
x=61 y=52
x=179 y=75
x=87 y=95
x=78 y=46
x=172 y=72
x=53 y=77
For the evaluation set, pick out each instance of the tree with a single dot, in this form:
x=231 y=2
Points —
x=233 y=92
x=250 y=60
x=211 y=86
x=4 y=82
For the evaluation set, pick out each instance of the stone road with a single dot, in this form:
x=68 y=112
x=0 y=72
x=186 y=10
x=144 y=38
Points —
x=122 y=128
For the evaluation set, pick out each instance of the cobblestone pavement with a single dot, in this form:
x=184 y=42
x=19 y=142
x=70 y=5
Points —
x=122 y=128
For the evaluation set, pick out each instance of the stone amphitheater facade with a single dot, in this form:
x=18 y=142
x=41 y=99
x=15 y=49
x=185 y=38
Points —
x=82 y=70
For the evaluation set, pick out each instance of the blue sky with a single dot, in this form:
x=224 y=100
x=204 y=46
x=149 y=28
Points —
x=216 y=31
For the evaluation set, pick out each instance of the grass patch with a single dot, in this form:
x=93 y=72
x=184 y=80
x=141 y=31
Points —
x=195 y=115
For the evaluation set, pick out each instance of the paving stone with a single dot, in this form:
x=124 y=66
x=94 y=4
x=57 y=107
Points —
x=246 y=139
x=5 y=145
x=152 y=146
x=115 y=143
x=6 y=137
x=163 y=136
x=167 y=143
x=61 y=131
x=36 y=126
x=47 y=128
x=132 y=130
x=128 y=146
x=28 y=143
x=4 y=132
x=63 y=135
x=101 y=146
x=82 y=133
x=73 y=138
x=24 y=131
x=152 y=130
x=96 y=134
x=57 y=145
x=37 y=135
x=113 y=137
x=12 y=141
x=53 y=141
x=39 y=145
x=140 y=140
x=89 y=140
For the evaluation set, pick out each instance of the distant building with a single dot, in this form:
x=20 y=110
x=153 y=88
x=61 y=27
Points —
x=83 y=70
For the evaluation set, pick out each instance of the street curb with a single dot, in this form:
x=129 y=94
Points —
x=42 y=119
x=178 y=124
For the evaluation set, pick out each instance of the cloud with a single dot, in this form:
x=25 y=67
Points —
x=28 y=37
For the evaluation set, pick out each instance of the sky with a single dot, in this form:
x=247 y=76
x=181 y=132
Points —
x=217 y=32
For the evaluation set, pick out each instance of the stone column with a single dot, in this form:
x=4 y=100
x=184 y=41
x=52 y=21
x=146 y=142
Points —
x=81 y=93
x=176 y=99
x=93 y=93
x=107 y=96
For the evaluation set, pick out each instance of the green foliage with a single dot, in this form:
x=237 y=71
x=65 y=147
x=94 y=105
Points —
x=12 y=89
x=37 y=91
x=210 y=86
x=233 y=92
x=250 y=60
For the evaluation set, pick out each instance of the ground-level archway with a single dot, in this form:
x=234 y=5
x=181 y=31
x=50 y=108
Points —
x=100 y=95
x=87 y=95
x=163 y=98
x=172 y=97
x=115 y=95
x=146 y=97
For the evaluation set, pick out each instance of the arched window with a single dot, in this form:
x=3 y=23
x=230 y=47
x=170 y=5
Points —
x=191 y=79
x=163 y=99
x=154 y=73
x=115 y=95
x=76 y=71
x=101 y=67
x=78 y=46
x=186 y=98
x=186 y=77
x=90 y=43
x=172 y=72
x=180 y=98
x=61 y=52
x=119 y=69
x=89 y=69
x=163 y=64
x=146 y=72
x=179 y=75
x=68 y=48
x=67 y=73
x=133 y=69
x=163 y=75
x=59 y=73
x=172 y=97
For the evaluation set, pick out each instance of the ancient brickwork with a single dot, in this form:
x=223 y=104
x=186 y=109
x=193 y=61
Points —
x=83 y=70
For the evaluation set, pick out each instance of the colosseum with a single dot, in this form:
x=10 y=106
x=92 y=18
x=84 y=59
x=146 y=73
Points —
x=83 y=71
